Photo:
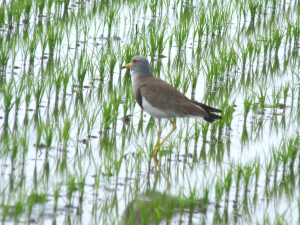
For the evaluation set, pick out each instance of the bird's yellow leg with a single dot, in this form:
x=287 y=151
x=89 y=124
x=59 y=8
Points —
x=159 y=133
x=162 y=173
x=157 y=146
x=173 y=129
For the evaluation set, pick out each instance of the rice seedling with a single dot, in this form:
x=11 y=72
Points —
x=110 y=111
x=19 y=209
x=219 y=18
x=181 y=33
x=157 y=41
x=219 y=191
x=71 y=188
x=2 y=16
x=277 y=39
x=5 y=212
x=65 y=133
x=247 y=106
x=8 y=97
x=228 y=183
x=253 y=6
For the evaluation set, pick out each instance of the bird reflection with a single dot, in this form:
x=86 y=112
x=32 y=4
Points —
x=154 y=207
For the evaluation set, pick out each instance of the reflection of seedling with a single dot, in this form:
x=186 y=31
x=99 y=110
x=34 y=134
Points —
x=261 y=97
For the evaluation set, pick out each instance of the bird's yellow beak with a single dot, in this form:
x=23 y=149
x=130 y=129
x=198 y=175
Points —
x=127 y=66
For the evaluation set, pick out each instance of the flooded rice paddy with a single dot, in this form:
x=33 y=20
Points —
x=75 y=147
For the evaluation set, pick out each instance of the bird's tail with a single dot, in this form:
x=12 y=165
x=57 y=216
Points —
x=209 y=110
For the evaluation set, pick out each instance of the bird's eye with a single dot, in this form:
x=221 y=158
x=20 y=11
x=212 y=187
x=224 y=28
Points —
x=134 y=61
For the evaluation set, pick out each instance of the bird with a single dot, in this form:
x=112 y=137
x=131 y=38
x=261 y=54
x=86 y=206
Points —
x=161 y=100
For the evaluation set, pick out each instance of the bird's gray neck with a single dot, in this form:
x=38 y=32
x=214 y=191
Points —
x=142 y=70
x=136 y=75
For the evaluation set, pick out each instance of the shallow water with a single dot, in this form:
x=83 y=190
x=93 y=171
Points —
x=92 y=167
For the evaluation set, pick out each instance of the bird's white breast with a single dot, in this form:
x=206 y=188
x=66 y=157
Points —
x=156 y=112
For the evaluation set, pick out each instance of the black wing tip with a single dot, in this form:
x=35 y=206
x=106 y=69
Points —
x=206 y=107
x=212 y=117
